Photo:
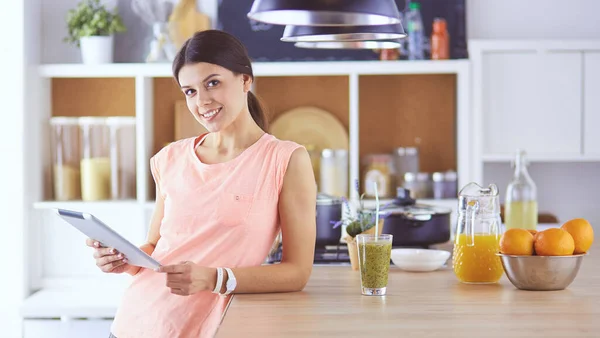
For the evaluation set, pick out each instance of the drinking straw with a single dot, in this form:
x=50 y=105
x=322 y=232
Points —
x=376 y=212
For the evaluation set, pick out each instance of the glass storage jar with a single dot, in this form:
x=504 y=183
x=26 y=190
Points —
x=379 y=170
x=334 y=172
x=66 y=179
x=406 y=160
x=122 y=157
x=95 y=159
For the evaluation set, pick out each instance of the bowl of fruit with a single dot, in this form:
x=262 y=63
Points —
x=547 y=260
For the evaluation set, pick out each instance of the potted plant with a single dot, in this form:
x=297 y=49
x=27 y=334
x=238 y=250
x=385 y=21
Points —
x=91 y=26
x=360 y=222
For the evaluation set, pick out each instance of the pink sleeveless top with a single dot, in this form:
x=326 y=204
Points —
x=223 y=214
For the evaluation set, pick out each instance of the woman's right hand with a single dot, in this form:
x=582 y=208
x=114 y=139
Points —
x=109 y=260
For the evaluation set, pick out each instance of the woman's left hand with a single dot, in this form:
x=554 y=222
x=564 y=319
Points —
x=187 y=278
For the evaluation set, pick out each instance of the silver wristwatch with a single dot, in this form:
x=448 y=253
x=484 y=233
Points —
x=231 y=282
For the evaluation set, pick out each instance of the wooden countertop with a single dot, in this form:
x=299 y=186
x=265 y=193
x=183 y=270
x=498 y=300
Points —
x=432 y=304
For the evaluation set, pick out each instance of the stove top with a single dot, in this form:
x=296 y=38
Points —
x=330 y=254
x=327 y=255
x=334 y=254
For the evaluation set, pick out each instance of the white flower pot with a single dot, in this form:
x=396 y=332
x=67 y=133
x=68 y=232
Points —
x=96 y=49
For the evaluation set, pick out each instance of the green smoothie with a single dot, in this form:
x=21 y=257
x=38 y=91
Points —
x=374 y=260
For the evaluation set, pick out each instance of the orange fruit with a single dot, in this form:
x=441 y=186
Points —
x=582 y=232
x=534 y=233
x=554 y=242
x=516 y=242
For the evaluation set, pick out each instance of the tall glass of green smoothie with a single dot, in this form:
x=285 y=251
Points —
x=374 y=253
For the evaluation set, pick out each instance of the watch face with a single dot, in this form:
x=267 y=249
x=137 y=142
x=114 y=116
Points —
x=231 y=283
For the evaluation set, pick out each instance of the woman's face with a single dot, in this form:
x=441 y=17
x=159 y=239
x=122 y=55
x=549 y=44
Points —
x=214 y=95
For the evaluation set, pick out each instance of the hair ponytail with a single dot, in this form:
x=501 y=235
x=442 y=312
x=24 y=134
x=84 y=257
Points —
x=257 y=111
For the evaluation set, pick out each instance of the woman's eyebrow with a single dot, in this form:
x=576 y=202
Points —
x=210 y=76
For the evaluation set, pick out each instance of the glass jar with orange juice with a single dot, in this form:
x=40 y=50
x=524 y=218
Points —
x=478 y=235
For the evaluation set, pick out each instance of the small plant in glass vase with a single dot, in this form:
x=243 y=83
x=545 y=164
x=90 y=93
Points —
x=91 y=26
x=360 y=221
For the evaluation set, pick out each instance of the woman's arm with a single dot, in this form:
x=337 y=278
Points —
x=154 y=231
x=112 y=261
x=297 y=208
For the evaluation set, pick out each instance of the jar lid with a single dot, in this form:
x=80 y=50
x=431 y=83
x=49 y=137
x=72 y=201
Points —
x=64 y=120
x=334 y=153
x=410 y=177
x=325 y=199
x=438 y=177
x=400 y=151
x=422 y=177
x=412 y=151
x=451 y=175
x=92 y=120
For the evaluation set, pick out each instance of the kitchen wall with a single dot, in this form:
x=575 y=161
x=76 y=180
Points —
x=567 y=190
x=16 y=53
x=541 y=19
x=485 y=19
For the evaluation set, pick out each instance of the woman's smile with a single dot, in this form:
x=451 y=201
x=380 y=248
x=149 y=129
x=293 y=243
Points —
x=210 y=114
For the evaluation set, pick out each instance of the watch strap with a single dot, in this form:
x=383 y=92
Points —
x=219 y=283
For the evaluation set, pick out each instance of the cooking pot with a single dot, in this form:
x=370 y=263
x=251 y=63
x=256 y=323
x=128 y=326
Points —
x=413 y=224
x=329 y=211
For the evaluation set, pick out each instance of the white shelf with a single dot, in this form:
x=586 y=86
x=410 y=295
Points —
x=79 y=205
x=299 y=68
x=105 y=70
x=501 y=158
x=73 y=303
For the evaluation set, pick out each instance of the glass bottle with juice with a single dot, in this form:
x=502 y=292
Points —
x=477 y=240
x=521 y=208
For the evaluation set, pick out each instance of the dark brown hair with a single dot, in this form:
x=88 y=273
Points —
x=225 y=50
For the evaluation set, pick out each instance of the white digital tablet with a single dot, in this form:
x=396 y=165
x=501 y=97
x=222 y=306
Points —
x=95 y=229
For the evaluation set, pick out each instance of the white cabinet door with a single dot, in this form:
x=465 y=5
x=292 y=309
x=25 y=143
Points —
x=40 y=328
x=591 y=108
x=76 y=328
x=532 y=101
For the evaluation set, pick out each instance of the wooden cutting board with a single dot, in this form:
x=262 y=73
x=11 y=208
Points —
x=185 y=124
x=185 y=20
x=311 y=126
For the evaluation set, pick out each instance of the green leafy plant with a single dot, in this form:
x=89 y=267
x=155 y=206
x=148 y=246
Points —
x=362 y=221
x=91 y=18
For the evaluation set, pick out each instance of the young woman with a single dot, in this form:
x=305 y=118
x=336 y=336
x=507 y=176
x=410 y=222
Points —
x=221 y=199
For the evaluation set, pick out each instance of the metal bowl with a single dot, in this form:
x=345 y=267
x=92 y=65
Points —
x=541 y=273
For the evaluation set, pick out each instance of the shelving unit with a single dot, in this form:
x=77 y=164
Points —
x=353 y=91
x=383 y=104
